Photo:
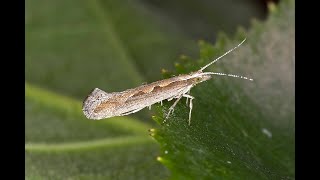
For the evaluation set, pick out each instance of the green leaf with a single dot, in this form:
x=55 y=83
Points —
x=239 y=129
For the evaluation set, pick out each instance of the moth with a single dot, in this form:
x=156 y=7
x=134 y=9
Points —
x=100 y=104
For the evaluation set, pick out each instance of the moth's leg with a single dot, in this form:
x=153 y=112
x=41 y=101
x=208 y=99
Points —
x=171 y=109
x=190 y=111
x=187 y=97
x=190 y=106
x=130 y=112
x=150 y=107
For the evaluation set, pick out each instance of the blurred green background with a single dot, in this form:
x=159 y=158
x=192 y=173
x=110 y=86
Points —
x=75 y=46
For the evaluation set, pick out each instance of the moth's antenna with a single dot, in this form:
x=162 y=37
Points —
x=223 y=55
x=231 y=75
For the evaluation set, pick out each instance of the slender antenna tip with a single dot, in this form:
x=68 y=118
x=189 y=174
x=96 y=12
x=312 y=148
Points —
x=212 y=62
x=243 y=41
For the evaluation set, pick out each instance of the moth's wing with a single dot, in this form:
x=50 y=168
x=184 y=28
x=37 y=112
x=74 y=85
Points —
x=93 y=100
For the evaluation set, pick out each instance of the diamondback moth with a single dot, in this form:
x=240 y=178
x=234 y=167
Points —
x=100 y=104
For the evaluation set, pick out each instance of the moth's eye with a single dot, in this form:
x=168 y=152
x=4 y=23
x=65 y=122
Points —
x=198 y=79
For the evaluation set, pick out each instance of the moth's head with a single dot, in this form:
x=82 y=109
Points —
x=198 y=77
